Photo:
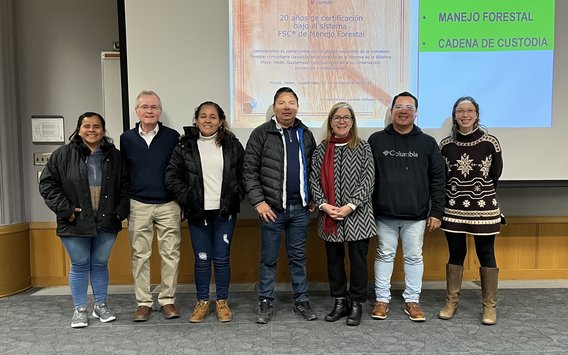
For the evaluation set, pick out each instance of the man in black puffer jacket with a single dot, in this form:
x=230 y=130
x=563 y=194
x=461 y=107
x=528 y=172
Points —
x=276 y=168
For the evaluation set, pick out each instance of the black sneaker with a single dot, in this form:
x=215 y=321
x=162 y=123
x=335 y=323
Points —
x=305 y=310
x=265 y=310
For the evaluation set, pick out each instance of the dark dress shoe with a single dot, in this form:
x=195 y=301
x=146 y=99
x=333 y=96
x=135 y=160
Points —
x=170 y=311
x=142 y=314
x=354 y=317
x=340 y=309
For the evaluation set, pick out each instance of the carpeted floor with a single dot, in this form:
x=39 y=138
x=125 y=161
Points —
x=530 y=321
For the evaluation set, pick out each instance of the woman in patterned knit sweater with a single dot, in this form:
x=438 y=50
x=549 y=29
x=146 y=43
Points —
x=474 y=164
x=341 y=181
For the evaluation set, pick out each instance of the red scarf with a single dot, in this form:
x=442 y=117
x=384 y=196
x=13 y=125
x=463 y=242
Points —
x=328 y=181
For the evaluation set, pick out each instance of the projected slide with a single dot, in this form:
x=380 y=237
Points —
x=365 y=52
x=500 y=52
x=328 y=51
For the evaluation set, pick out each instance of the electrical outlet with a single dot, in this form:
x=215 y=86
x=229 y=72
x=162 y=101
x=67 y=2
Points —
x=41 y=158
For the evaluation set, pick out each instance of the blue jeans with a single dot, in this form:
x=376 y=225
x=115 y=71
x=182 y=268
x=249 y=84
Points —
x=89 y=257
x=411 y=234
x=211 y=240
x=294 y=223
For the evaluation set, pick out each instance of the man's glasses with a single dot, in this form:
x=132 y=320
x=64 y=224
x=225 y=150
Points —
x=408 y=107
x=146 y=107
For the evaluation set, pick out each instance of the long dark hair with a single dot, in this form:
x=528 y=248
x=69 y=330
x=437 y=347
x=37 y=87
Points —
x=75 y=135
x=223 y=130
x=455 y=127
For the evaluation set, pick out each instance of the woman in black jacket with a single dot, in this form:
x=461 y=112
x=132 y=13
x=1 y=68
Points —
x=205 y=175
x=85 y=183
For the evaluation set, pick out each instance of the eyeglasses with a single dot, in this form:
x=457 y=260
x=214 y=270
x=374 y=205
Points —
x=469 y=111
x=153 y=107
x=344 y=118
x=408 y=107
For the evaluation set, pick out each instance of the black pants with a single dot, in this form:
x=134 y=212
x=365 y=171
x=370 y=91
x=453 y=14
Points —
x=484 y=247
x=358 y=251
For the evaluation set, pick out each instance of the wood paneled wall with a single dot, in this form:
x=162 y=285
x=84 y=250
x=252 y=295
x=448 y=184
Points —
x=527 y=248
x=14 y=259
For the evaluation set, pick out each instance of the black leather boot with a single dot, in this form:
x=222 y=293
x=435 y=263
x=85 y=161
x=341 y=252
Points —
x=354 y=316
x=340 y=309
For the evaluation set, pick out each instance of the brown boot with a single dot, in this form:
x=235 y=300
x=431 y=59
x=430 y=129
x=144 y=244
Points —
x=224 y=314
x=200 y=311
x=489 y=280
x=454 y=276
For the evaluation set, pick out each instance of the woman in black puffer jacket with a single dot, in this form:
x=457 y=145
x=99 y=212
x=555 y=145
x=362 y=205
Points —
x=85 y=183
x=205 y=175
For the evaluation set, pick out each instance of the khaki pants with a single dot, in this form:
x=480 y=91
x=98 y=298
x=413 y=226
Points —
x=143 y=217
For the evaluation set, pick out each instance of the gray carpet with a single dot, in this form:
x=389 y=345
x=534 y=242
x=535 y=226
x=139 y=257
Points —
x=530 y=321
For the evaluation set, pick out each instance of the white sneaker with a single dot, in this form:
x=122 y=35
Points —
x=80 y=318
x=102 y=312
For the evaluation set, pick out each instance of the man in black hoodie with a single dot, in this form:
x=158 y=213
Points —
x=408 y=197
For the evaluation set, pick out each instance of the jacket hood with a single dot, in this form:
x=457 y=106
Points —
x=415 y=131
x=105 y=146
x=191 y=131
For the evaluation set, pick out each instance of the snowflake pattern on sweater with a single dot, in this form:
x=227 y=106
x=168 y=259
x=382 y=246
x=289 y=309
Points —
x=473 y=167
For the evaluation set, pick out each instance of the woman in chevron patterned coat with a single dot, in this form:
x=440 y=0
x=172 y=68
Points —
x=342 y=181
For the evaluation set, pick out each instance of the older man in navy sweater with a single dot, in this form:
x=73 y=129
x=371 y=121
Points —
x=147 y=149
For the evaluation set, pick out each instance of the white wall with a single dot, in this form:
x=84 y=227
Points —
x=58 y=49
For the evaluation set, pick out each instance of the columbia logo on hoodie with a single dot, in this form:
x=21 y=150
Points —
x=395 y=153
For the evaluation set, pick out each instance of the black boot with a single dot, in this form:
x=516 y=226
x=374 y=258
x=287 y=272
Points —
x=354 y=316
x=340 y=309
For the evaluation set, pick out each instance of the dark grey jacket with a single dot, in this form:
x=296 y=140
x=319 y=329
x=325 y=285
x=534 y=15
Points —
x=264 y=163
